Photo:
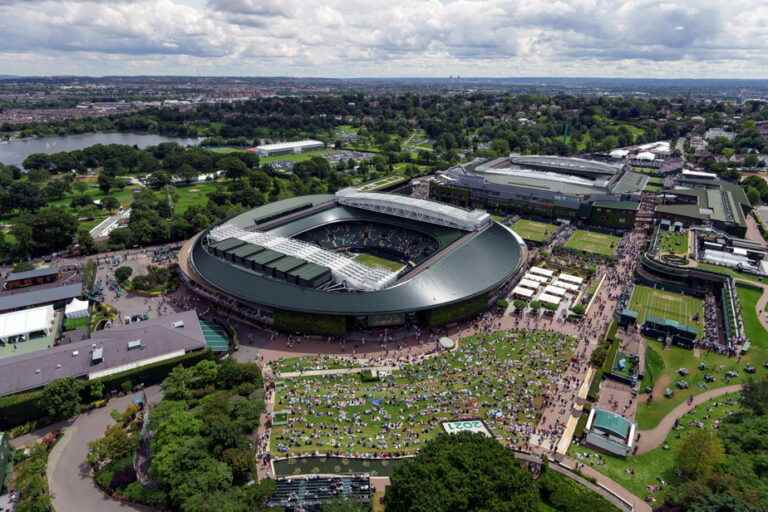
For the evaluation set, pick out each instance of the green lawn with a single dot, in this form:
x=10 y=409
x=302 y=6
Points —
x=648 y=468
x=504 y=371
x=591 y=242
x=293 y=157
x=673 y=306
x=748 y=297
x=71 y=324
x=674 y=243
x=654 y=366
x=534 y=231
x=193 y=195
x=224 y=150
x=733 y=273
x=373 y=261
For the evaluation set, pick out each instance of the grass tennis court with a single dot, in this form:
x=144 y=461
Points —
x=591 y=242
x=369 y=260
x=673 y=306
x=534 y=231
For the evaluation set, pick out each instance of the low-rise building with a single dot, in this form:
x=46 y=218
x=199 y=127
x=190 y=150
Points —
x=282 y=148
x=610 y=432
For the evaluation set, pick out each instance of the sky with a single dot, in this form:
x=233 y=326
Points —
x=396 y=38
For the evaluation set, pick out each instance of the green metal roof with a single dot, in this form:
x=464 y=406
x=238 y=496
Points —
x=611 y=422
x=246 y=250
x=265 y=257
x=309 y=271
x=286 y=264
x=228 y=244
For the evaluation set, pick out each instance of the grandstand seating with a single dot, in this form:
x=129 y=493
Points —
x=399 y=242
x=310 y=493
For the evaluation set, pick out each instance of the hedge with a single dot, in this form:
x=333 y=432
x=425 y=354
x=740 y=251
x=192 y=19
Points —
x=20 y=408
x=24 y=407
x=153 y=373
x=456 y=312
x=309 y=323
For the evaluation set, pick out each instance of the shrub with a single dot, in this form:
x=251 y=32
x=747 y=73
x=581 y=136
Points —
x=122 y=274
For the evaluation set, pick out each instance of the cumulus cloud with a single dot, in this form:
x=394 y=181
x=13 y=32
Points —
x=397 y=37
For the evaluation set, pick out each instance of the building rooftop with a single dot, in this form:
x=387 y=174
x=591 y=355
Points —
x=40 y=296
x=611 y=422
x=158 y=338
x=278 y=146
x=31 y=274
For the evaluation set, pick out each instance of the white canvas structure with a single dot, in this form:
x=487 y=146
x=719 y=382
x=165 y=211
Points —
x=534 y=277
x=541 y=271
x=529 y=283
x=76 y=309
x=549 y=299
x=523 y=292
x=567 y=286
x=22 y=323
x=554 y=290
x=570 y=279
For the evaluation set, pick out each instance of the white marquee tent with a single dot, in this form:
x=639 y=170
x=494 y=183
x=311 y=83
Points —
x=26 y=321
x=76 y=309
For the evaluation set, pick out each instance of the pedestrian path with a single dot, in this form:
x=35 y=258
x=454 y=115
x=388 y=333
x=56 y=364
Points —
x=651 y=439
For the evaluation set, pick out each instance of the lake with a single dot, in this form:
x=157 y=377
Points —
x=15 y=151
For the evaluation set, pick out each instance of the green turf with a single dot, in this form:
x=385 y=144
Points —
x=373 y=261
x=193 y=195
x=71 y=324
x=504 y=371
x=654 y=365
x=672 y=306
x=649 y=414
x=756 y=333
x=534 y=231
x=293 y=157
x=659 y=463
x=225 y=150
x=743 y=276
x=591 y=242
x=674 y=243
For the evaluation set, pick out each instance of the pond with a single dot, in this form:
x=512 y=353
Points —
x=335 y=465
x=14 y=152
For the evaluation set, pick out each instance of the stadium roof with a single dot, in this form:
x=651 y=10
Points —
x=31 y=274
x=158 y=336
x=566 y=164
x=416 y=209
x=496 y=254
x=39 y=297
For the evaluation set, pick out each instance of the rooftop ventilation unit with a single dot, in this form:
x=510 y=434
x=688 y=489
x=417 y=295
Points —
x=97 y=355
x=178 y=324
x=75 y=353
x=135 y=345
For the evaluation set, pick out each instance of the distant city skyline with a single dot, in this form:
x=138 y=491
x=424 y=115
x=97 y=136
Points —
x=399 y=38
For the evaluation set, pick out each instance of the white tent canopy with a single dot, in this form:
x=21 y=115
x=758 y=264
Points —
x=550 y=299
x=541 y=271
x=523 y=292
x=26 y=321
x=534 y=277
x=554 y=290
x=76 y=309
x=529 y=283
x=570 y=278
x=567 y=286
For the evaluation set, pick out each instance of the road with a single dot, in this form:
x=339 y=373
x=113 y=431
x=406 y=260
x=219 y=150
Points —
x=69 y=476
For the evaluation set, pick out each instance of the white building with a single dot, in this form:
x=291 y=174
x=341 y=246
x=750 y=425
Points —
x=18 y=326
x=282 y=148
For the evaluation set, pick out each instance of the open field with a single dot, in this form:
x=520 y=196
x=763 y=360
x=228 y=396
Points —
x=646 y=469
x=672 y=306
x=743 y=276
x=666 y=374
x=592 y=242
x=534 y=231
x=373 y=261
x=506 y=371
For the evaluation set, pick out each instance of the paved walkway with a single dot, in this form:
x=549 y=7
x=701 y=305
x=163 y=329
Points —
x=69 y=476
x=651 y=439
x=638 y=505
x=335 y=371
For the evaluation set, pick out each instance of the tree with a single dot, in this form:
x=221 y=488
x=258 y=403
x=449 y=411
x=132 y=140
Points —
x=754 y=396
x=699 y=454
x=105 y=183
x=61 y=398
x=86 y=242
x=344 y=505
x=233 y=167
x=461 y=472
x=49 y=230
x=122 y=274
x=110 y=203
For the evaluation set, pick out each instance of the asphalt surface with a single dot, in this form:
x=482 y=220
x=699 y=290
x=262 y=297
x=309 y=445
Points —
x=69 y=476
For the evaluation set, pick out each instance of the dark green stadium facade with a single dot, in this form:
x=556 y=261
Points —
x=461 y=278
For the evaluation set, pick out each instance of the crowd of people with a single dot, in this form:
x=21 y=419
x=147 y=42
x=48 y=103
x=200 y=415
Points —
x=505 y=378
x=405 y=244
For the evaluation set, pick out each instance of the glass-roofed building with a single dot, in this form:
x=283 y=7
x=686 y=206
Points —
x=610 y=432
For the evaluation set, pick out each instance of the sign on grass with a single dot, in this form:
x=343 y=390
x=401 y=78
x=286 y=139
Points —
x=476 y=426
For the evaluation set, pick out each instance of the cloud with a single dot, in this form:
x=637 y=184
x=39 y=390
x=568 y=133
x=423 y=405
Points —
x=398 y=37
